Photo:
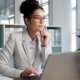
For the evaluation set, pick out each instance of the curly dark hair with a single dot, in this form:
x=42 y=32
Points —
x=28 y=7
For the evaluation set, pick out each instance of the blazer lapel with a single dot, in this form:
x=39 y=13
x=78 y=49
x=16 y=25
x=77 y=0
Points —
x=26 y=46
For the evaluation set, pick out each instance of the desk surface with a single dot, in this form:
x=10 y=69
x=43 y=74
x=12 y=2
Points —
x=29 y=78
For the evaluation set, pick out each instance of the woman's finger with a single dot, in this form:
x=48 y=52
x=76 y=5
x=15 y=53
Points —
x=36 y=73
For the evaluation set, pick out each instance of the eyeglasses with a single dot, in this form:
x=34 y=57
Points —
x=39 y=18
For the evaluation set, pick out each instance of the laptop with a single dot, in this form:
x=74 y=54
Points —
x=62 y=66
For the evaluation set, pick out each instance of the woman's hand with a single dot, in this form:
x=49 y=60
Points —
x=29 y=71
x=44 y=38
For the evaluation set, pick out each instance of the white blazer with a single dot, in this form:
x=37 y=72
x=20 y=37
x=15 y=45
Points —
x=17 y=47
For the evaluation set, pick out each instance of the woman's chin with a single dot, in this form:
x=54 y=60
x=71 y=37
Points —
x=40 y=29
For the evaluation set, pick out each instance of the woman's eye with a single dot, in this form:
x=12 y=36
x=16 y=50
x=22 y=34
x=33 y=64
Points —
x=37 y=17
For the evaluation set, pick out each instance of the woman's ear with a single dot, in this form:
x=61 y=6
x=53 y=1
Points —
x=27 y=21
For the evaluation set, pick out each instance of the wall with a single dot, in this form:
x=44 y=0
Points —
x=60 y=15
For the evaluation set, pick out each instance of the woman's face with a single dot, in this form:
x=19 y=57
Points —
x=36 y=22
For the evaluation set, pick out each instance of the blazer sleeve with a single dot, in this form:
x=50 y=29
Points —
x=46 y=50
x=5 y=57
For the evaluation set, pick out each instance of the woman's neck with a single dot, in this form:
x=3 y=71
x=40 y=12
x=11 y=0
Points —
x=32 y=34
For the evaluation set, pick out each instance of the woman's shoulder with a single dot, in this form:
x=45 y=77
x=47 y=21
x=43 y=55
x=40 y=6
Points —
x=17 y=33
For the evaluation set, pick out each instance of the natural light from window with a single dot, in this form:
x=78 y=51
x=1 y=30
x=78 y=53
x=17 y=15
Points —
x=73 y=25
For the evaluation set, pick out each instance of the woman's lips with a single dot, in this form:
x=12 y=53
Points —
x=41 y=26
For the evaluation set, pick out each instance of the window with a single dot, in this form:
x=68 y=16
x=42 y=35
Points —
x=6 y=9
x=44 y=4
x=73 y=25
x=43 y=1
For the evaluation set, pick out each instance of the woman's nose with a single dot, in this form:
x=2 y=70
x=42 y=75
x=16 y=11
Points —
x=41 y=20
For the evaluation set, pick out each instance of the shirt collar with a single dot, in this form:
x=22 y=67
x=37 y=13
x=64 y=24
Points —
x=30 y=40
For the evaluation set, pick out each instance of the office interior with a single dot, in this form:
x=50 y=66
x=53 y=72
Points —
x=64 y=14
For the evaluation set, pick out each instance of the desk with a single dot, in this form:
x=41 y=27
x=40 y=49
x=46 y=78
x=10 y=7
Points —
x=29 y=78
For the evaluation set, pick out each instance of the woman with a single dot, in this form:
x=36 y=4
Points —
x=28 y=48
